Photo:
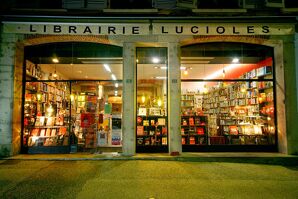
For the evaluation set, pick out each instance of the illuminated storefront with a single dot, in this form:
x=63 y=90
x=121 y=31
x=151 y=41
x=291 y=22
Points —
x=151 y=86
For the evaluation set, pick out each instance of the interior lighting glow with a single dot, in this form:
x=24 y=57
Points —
x=55 y=60
x=113 y=77
x=160 y=77
x=143 y=99
x=116 y=85
x=182 y=67
x=155 y=60
x=72 y=97
x=163 y=68
x=219 y=72
x=185 y=72
x=235 y=60
x=159 y=102
x=107 y=67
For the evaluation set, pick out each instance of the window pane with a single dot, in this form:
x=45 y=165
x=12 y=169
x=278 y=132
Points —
x=152 y=97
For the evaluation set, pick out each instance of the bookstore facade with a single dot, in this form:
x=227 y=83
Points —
x=151 y=87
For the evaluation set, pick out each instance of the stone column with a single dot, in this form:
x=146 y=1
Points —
x=129 y=100
x=290 y=56
x=7 y=62
x=174 y=98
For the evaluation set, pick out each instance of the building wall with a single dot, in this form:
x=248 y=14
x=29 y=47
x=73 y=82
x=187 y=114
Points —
x=10 y=133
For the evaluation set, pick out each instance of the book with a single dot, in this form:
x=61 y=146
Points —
x=191 y=121
x=140 y=130
x=50 y=121
x=145 y=122
x=53 y=132
x=192 y=140
x=48 y=132
x=35 y=132
x=161 y=121
x=200 y=131
x=42 y=132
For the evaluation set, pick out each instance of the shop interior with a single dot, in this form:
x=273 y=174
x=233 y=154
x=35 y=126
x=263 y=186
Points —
x=73 y=97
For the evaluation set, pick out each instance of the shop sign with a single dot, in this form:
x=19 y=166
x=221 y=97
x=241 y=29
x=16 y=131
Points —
x=148 y=29
x=76 y=29
x=221 y=29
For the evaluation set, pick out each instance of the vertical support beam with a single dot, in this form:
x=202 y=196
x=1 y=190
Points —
x=7 y=62
x=291 y=95
x=174 y=85
x=129 y=99
x=280 y=98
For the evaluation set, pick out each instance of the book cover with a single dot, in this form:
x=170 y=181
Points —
x=48 y=132
x=191 y=121
x=53 y=132
x=161 y=121
x=140 y=130
x=50 y=121
x=164 y=141
x=42 y=132
x=200 y=131
x=35 y=132
x=145 y=122
x=192 y=140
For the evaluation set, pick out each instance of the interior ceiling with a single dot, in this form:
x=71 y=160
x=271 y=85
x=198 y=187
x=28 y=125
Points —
x=79 y=61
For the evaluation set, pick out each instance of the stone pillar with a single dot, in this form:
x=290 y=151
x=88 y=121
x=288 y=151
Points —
x=290 y=60
x=290 y=56
x=129 y=100
x=174 y=98
x=7 y=72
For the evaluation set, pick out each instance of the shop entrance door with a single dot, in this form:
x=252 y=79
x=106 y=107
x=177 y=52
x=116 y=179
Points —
x=152 y=117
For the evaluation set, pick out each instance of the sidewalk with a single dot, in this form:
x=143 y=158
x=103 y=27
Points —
x=240 y=157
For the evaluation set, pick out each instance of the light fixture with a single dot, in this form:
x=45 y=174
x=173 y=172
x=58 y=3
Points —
x=160 y=77
x=235 y=60
x=116 y=85
x=185 y=72
x=163 y=67
x=113 y=77
x=155 y=60
x=182 y=67
x=72 y=97
x=55 y=74
x=38 y=95
x=159 y=102
x=143 y=99
x=107 y=67
x=116 y=93
x=55 y=60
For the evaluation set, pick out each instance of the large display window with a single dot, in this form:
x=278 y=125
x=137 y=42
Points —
x=152 y=120
x=72 y=98
x=228 y=97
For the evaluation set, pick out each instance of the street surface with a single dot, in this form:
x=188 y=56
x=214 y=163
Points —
x=145 y=179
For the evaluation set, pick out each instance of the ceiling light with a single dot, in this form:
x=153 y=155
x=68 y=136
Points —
x=185 y=72
x=182 y=67
x=113 y=77
x=155 y=60
x=163 y=68
x=116 y=85
x=160 y=77
x=55 y=60
x=235 y=60
x=107 y=67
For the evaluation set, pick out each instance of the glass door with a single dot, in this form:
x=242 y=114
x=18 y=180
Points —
x=152 y=120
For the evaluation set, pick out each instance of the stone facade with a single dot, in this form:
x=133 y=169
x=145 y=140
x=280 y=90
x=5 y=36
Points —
x=11 y=63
